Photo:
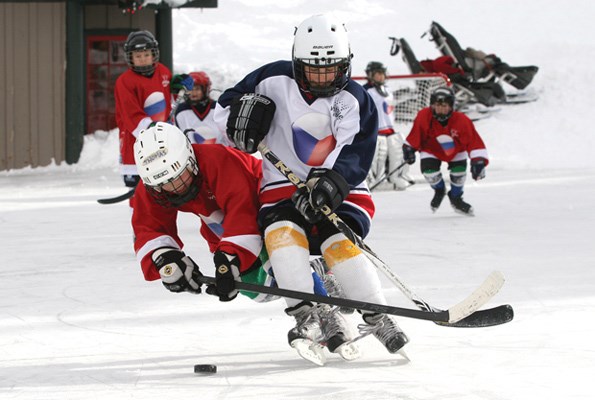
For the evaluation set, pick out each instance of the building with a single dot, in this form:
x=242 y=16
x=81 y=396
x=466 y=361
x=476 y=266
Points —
x=60 y=61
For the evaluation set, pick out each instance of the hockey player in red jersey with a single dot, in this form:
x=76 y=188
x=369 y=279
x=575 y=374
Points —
x=195 y=116
x=441 y=134
x=323 y=126
x=142 y=95
x=214 y=182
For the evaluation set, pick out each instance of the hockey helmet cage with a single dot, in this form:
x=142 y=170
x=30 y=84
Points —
x=141 y=40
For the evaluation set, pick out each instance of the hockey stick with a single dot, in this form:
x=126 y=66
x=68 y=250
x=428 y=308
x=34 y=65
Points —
x=472 y=303
x=117 y=199
x=439 y=316
x=386 y=176
x=112 y=200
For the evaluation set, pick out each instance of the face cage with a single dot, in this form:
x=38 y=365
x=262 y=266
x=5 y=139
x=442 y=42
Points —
x=442 y=118
x=170 y=199
x=332 y=88
x=146 y=69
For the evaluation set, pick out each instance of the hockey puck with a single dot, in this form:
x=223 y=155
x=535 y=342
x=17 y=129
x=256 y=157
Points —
x=205 y=368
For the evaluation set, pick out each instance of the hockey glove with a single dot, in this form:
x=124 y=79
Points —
x=227 y=272
x=181 y=81
x=178 y=272
x=408 y=154
x=250 y=117
x=327 y=188
x=478 y=166
x=301 y=199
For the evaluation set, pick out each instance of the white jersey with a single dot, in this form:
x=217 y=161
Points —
x=200 y=127
x=336 y=132
x=384 y=107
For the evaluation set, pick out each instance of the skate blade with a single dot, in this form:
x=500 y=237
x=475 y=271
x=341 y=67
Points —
x=348 y=351
x=469 y=214
x=310 y=351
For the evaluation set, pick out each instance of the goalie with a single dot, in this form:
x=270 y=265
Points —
x=389 y=145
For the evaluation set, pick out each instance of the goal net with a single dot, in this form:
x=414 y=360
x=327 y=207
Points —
x=410 y=93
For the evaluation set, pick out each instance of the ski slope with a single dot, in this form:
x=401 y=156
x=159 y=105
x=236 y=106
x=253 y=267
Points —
x=77 y=320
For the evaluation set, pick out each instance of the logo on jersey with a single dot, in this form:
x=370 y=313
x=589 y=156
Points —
x=447 y=144
x=155 y=106
x=214 y=222
x=204 y=135
x=313 y=140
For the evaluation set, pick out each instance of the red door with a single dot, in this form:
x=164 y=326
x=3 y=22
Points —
x=105 y=62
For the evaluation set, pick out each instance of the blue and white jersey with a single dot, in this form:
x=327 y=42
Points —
x=385 y=109
x=337 y=132
x=199 y=126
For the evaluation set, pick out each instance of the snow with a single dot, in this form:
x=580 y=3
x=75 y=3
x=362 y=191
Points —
x=77 y=320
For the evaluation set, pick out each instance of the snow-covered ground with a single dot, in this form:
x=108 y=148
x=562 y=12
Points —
x=77 y=320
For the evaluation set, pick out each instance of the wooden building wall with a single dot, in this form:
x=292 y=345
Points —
x=32 y=90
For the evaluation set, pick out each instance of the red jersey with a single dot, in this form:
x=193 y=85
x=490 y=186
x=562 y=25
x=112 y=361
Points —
x=227 y=206
x=453 y=142
x=140 y=100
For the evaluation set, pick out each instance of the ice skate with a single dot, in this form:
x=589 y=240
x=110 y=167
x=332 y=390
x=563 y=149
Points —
x=386 y=330
x=336 y=333
x=305 y=337
x=437 y=199
x=459 y=205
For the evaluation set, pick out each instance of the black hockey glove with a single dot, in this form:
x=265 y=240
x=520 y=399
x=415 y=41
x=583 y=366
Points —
x=181 y=81
x=227 y=272
x=178 y=272
x=478 y=166
x=250 y=117
x=327 y=188
x=408 y=154
x=131 y=180
x=301 y=199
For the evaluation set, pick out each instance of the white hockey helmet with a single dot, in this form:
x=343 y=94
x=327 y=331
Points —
x=320 y=43
x=162 y=154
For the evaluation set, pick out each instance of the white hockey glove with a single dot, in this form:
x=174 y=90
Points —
x=178 y=272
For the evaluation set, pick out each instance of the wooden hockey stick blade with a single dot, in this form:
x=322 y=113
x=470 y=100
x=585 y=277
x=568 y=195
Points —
x=117 y=199
x=478 y=298
x=442 y=316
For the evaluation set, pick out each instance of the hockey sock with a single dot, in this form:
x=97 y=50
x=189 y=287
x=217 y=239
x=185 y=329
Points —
x=458 y=175
x=434 y=178
x=289 y=254
x=352 y=269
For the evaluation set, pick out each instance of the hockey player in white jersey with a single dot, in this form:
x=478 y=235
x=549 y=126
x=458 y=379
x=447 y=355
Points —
x=323 y=126
x=389 y=147
x=195 y=116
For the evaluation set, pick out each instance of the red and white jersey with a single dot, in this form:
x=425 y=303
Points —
x=140 y=100
x=454 y=142
x=337 y=132
x=199 y=126
x=384 y=108
x=227 y=206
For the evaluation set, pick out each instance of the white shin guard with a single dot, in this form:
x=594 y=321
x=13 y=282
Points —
x=289 y=255
x=353 y=270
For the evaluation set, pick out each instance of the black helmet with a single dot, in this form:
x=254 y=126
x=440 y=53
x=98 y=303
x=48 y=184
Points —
x=446 y=95
x=141 y=40
x=374 y=66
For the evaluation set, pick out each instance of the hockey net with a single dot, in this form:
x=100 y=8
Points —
x=410 y=93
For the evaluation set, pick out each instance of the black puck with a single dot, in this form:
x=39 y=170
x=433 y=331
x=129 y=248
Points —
x=205 y=368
